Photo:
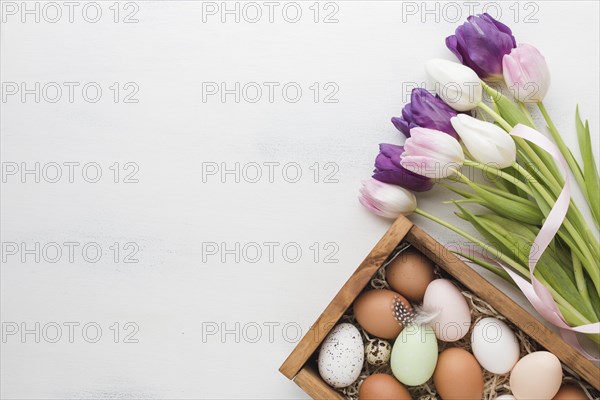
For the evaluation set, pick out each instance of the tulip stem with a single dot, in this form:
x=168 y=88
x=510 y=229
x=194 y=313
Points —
x=527 y=114
x=579 y=278
x=573 y=316
x=504 y=258
x=535 y=158
x=566 y=152
x=497 y=117
x=500 y=174
x=587 y=258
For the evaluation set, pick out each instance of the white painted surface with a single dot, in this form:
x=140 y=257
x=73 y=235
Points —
x=171 y=294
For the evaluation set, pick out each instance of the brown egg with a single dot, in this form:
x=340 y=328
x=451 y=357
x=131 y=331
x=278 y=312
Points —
x=570 y=391
x=373 y=311
x=458 y=375
x=409 y=274
x=382 y=387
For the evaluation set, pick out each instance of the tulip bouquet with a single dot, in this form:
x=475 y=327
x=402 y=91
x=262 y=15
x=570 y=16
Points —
x=480 y=117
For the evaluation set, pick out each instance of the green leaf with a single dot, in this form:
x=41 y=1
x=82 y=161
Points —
x=517 y=241
x=493 y=268
x=506 y=207
x=595 y=299
x=539 y=198
x=463 y=193
x=590 y=171
x=496 y=244
x=506 y=108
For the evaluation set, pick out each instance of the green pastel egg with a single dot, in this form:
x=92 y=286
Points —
x=414 y=355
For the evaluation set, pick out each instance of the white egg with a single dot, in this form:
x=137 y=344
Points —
x=494 y=345
x=342 y=355
x=453 y=318
x=506 y=397
x=378 y=352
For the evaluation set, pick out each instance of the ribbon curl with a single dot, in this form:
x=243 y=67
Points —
x=538 y=295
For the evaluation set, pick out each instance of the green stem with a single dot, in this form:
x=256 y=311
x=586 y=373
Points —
x=526 y=113
x=500 y=174
x=579 y=278
x=465 y=201
x=573 y=212
x=568 y=155
x=505 y=125
x=508 y=195
x=533 y=156
x=570 y=312
x=574 y=233
x=552 y=180
x=576 y=317
x=507 y=260
x=573 y=165
x=492 y=268
x=546 y=158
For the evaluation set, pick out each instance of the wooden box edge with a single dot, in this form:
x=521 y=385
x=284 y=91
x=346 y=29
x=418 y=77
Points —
x=307 y=378
x=345 y=297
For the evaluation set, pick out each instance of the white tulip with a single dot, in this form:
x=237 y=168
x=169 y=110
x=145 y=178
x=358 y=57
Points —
x=385 y=200
x=457 y=85
x=487 y=143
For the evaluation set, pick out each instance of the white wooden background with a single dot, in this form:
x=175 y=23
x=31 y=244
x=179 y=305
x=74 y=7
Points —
x=206 y=328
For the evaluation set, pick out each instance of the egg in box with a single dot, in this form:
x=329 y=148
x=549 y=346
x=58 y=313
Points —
x=452 y=315
x=378 y=352
x=382 y=387
x=570 y=391
x=458 y=375
x=341 y=357
x=538 y=375
x=373 y=312
x=494 y=345
x=409 y=273
x=414 y=355
x=401 y=344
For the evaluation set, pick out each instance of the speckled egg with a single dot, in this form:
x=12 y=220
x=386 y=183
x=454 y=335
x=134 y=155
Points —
x=342 y=355
x=378 y=352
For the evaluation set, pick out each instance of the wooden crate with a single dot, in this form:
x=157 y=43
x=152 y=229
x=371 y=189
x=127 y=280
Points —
x=298 y=365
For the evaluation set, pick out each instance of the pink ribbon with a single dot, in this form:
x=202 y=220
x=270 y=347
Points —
x=538 y=295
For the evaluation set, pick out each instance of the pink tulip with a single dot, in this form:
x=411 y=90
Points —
x=385 y=200
x=526 y=73
x=432 y=153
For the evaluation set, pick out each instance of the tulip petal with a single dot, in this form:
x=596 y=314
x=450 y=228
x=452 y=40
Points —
x=486 y=142
x=425 y=110
x=526 y=74
x=406 y=179
x=480 y=43
x=458 y=85
x=388 y=169
x=386 y=200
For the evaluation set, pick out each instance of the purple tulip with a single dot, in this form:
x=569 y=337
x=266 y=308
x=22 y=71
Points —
x=480 y=43
x=389 y=170
x=426 y=111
